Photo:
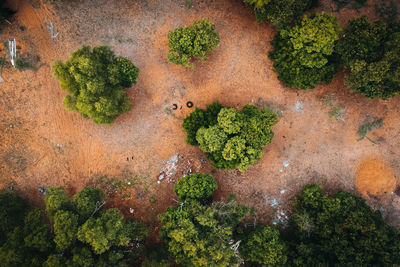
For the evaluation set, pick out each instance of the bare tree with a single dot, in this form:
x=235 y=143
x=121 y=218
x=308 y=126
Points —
x=12 y=49
x=51 y=28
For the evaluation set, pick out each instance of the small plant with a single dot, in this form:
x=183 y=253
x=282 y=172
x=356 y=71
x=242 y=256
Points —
x=22 y=65
x=336 y=112
x=368 y=126
x=189 y=4
x=194 y=41
x=153 y=200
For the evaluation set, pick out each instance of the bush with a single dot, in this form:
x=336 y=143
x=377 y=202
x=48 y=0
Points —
x=96 y=81
x=304 y=54
x=264 y=247
x=280 y=13
x=340 y=230
x=371 y=53
x=230 y=138
x=195 y=186
x=196 y=40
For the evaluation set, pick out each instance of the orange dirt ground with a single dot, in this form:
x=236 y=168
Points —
x=41 y=144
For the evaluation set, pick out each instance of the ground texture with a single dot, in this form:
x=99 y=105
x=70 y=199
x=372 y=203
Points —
x=42 y=145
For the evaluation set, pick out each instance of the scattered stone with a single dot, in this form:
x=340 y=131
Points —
x=190 y=171
x=11 y=187
x=283 y=191
x=203 y=160
x=285 y=163
x=274 y=202
x=42 y=190
x=298 y=107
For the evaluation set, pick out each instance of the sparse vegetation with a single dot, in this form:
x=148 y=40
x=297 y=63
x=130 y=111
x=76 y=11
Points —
x=368 y=126
x=194 y=41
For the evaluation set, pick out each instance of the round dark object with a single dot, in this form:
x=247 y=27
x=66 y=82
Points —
x=174 y=107
x=189 y=104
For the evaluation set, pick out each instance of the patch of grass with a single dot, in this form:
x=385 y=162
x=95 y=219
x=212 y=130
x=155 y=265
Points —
x=336 y=112
x=168 y=112
x=189 y=4
x=22 y=65
x=153 y=200
x=368 y=126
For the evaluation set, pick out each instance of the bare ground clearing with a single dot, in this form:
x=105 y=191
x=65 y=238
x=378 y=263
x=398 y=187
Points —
x=41 y=144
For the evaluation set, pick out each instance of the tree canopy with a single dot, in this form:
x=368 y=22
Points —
x=371 y=53
x=95 y=80
x=194 y=41
x=304 y=54
x=280 y=13
x=195 y=186
x=230 y=138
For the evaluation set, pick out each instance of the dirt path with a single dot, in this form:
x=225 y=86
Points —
x=47 y=145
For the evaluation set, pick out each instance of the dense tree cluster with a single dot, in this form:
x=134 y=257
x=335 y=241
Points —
x=280 y=13
x=95 y=80
x=230 y=138
x=340 y=230
x=83 y=233
x=304 y=55
x=194 y=41
x=371 y=53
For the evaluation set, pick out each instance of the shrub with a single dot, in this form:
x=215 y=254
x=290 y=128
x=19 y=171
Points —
x=340 y=230
x=280 y=13
x=56 y=199
x=230 y=138
x=371 y=53
x=96 y=80
x=195 y=186
x=304 y=54
x=196 y=40
x=264 y=247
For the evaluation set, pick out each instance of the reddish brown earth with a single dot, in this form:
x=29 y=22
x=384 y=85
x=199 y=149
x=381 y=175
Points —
x=41 y=144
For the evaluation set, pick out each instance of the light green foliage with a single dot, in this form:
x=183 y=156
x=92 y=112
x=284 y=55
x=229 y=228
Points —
x=96 y=80
x=65 y=229
x=211 y=139
x=304 y=54
x=264 y=247
x=196 y=40
x=234 y=139
x=195 y=186
x=105 y=231
x=340 y=230
x=198 y=235
x=372 y=54
x=56 y=199
x=88 y=200
x=280 y=13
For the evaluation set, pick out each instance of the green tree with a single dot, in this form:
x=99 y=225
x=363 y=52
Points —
x=56 y=199
x=65 y=229
x=196 y=40
x=198 y=235
x=89 y=200
x=108 y=230
x=264 y=247
x=231 y=139
x=340 y=230
x=304 y=54
x=280 y=13
x=96 y=80
x=371 y=53
x=195 y=186
x=12 y=212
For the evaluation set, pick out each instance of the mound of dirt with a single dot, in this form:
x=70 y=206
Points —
x=375 y=179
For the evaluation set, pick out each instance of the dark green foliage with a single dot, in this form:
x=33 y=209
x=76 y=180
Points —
x=264 y=247
x=230 y=138
x=195 y=186
x=12 y=212
x=5 y=13
x=340 y=230
x=304 y=54
x=199 y=235
x=372 y=55
x=368 y=126
x=353 y=3
x=89 y=200
x=27 y=245
x=96 y=80
x=156 y=256
x=194 y=41
x=280 y=13
x=387 y=10
x=200 y=118
x=21 y=65
x=56 y=199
